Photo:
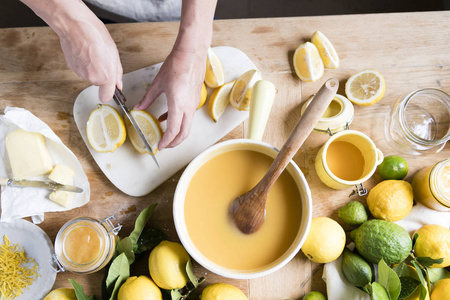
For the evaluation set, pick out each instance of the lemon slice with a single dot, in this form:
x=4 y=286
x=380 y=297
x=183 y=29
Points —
x=214 y=75
x=326 y=50
x=105 y=129
x=365 y=88
x=307 y=62
x=203 y=96
x=219 y=100
x=149 y=126
x=242 y=89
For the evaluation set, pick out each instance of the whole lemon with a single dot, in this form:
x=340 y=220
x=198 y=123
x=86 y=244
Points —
x=167 y=265
x=139 y=288
x=61 y=294
x=325 y=241
x=390 y=200
x=222 y=291
x=434 y=242
x=441 y=290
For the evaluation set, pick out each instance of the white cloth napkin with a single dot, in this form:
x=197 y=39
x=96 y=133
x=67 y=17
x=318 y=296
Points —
x=24 y=202
x=338 y=288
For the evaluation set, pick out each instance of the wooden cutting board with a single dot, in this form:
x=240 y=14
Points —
x=136 y=174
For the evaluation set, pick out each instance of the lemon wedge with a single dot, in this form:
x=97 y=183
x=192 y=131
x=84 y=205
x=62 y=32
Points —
x=307 y=62
x=365 y=88
x=105 y=129
x=149 y=126
x=241 y=91
x=214 y=75
x=219 y=100
x=203 y=96
x=326 y=50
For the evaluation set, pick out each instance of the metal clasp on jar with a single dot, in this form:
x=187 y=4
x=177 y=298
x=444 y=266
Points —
x=110 y=226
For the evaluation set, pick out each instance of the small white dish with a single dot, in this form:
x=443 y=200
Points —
x=36 y=245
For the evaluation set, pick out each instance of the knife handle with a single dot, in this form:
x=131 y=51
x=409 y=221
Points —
x=4 y=181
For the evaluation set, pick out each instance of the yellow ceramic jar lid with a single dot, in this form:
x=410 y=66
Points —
x=337 y=117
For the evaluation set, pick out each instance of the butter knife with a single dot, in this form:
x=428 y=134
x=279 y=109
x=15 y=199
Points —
x=50 y=185
x=120 y=100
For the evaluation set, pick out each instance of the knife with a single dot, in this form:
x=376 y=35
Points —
x=50 y=185
x=119 y=98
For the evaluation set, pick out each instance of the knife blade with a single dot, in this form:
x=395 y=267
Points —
x=50 y=185
x=120 y=100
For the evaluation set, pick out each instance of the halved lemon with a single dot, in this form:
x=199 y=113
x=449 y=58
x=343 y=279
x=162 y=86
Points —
x=214 y=75
x=149 y=126
x=219 y=100
x=242 y=89
x=365 y=88
x=105 y=129
x=307 y=62
x=326 y=50
x=203 y=96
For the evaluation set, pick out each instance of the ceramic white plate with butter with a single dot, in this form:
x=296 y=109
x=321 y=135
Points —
x=136 y=174
x=38 y=246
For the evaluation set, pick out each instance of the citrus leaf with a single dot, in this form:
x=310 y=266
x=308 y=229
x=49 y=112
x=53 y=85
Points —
x=118 y=270
x=389 y=279
x=423 y=289
x=409 y=286
x=414 y=239
x=149 y=239
x=190 y=274
x=175 y=294
x=401 y=269
x=428 y=261
x=141 y=220
x=126 y=246
x=79 y=291
x=436 y=274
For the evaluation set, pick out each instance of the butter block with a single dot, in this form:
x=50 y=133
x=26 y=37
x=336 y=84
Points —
x=28 y=154
x=61 y=174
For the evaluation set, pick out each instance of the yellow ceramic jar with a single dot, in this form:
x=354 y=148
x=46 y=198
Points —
x=431 y=186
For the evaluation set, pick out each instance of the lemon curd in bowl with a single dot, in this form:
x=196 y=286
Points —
x=212 y=181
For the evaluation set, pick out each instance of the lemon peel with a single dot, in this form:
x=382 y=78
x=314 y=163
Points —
x=149 y=126
x=219 y=100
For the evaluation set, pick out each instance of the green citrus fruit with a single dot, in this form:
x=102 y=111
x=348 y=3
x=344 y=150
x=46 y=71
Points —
x=379 y=239
x=357 y=271
x=393 y=167
x=353 y=213
x=314 y=296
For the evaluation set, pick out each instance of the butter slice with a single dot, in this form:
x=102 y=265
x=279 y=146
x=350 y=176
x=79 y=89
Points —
x=28 y=154
x=61 y=174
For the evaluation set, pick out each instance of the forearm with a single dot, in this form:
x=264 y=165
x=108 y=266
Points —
x=195 y=33
x=63 y=16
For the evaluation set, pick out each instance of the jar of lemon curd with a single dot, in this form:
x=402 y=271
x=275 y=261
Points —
x=85 y=245
x=431 y=186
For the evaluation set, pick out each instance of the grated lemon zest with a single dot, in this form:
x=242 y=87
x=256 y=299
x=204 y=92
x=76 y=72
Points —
x=14 y=274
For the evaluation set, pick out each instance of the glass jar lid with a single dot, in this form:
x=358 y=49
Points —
x=337 y=117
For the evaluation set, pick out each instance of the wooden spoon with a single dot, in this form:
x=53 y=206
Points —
x=248 y=211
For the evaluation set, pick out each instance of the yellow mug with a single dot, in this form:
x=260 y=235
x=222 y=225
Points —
x=347 y=159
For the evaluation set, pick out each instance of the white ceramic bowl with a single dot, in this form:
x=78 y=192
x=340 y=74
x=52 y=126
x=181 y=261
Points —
x=179 y=200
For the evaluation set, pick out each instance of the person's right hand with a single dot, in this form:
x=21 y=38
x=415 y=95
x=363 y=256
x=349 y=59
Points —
x=92 y=54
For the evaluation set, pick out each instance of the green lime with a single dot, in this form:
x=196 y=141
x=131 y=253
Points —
x=378 y=292
x=357 y=271
x=393 y=167
x=314 y=296
x=353 y=213
x=380 y=239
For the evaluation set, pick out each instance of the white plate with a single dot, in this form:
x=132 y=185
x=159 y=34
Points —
x=136 y=174
x=38 y=246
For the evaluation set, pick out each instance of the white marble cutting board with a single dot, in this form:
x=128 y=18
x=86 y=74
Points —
x=137 y=174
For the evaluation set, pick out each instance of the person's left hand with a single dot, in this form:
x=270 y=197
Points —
x=181 y=77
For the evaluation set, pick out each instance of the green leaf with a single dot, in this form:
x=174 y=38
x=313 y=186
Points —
x=428 y=261
x=414 y=239
x=436 y=274
x=190 y=274
x=409 y=286
x=401 y=269
x=175 y=294
x=149 y=239
x=389 y=279
x=141 y=220
x=79 y=291
x=126 y=246
x=118 y=270
x=419 y=273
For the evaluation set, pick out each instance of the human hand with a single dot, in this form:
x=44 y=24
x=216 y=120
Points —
x=92 y=54
x=181 y=77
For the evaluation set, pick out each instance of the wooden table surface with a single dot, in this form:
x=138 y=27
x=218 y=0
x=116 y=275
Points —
x=411 y=50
